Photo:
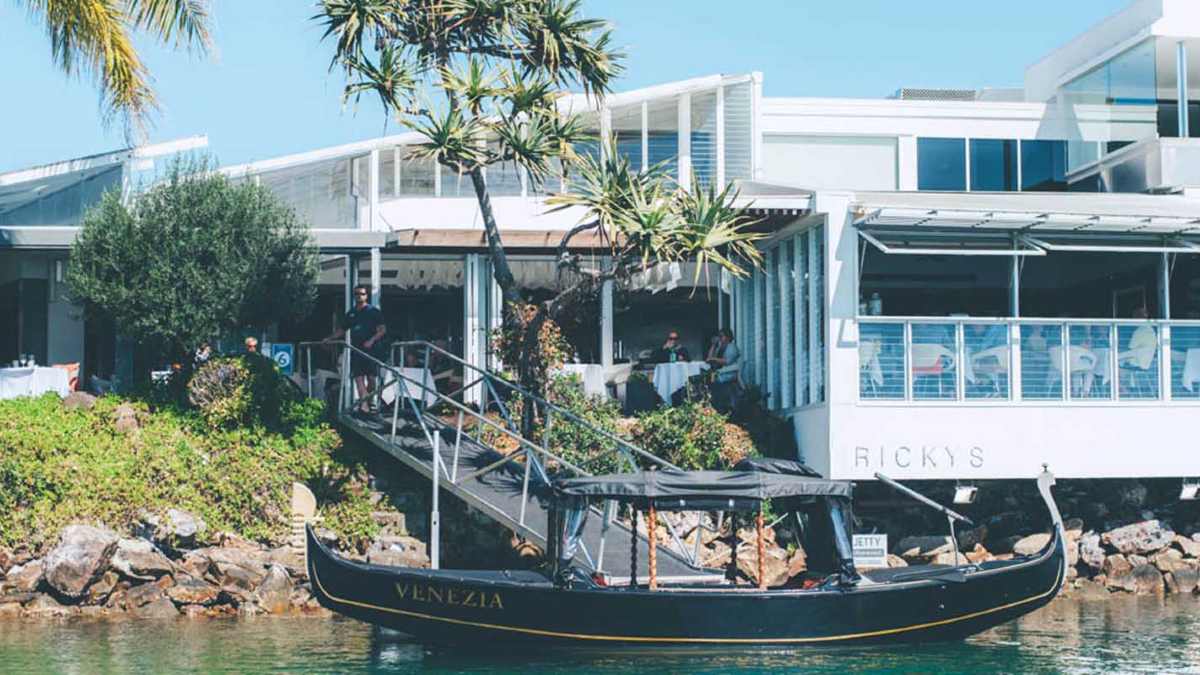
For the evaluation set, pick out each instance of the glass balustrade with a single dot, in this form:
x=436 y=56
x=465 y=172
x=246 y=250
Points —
x=1028 y=360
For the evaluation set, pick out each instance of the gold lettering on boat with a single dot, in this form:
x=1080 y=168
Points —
x=449 y=596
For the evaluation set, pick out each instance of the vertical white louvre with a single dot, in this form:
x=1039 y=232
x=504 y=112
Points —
x=786 y=343
x=387 y=174
x=800 y=309
x=770 y=380
x=704 y=137
x=817 y=309
x=662 y=135
x=739 y=131
x=416 y=177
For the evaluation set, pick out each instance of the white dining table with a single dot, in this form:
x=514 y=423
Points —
x=33 y=381
x=592 y=376
x=671 y=377
x=418 y=381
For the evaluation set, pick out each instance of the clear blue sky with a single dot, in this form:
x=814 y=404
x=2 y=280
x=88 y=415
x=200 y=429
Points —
x=267 y=92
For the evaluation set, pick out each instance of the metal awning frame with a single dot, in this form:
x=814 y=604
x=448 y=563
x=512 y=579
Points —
x=1015 y=250
x=1028 y=221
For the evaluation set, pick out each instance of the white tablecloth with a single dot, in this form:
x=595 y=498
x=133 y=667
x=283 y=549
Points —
x=34 y=381
x=670 y=377
x=414 y=379
x=592 y=376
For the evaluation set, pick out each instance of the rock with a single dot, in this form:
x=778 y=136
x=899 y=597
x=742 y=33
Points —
x=1168 y=560
x=9 y=610
x=125 y=419
x=775 y=564
x=1147 y=580
x=192 y=591
x=972 y=538
x=16 y=598
x=715 y=556
x=229 y=540
x=797 y=563
x=1136 y=560
x=896 y=561
x=326 y=536
x=1117 y=565
x=142 y=594
x=183 y=527
x=43 y=604
x=228 y=575
x=274 y=594
x=398 y=552
x=81 y=557
x=1145 y=537
x=1183 y=580
x=255 y=560
x=291 y=559
x=1189 y=547
x=1073 y=527
x=79 y=400
x=1032 y=544
x=6 y=561
x=25 y=578
x=1091 y=553
x=99 y=591
x=951 y=558
x=162 y=608
x=921 y=549
x=139 y=559
x=978 y=554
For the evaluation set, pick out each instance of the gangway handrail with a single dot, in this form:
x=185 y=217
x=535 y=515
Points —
x=525 y=444
x=557 y=409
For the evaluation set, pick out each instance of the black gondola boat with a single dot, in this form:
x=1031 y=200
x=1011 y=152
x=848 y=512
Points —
x=566 y=606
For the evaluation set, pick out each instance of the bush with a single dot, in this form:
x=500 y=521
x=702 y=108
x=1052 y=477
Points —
x=247 y=390
x=59 y=466
x=692 y=436
x=586 y=449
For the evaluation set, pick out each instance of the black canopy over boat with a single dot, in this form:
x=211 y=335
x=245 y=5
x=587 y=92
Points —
x=568 y=606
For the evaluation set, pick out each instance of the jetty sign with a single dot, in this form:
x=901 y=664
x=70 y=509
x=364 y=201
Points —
x=870 y=550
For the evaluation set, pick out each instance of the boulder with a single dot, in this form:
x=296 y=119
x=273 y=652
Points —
x=125 y=419
x=1183 y=580
x=43 y=604
x=1116 y=565
x=17 y=599
x=978 y=554
x=1031 y=544
x=1147 y=580
x=192 y=591
x=1091 y=552
x=6 y=561
x=1168 y=560
x=398 y=551
x=896 y=561
x=99 y=591
x=25 y=578
x=797 y=563
x=161 y=608
x=716 y=555
x=274 y=594
x=1145 y=537
x=178 y=529
x=79 y=400
x=230 y=576
x=1136 y=560
x=142 y=594
x=81 y=557
x=922 y=549
x=1188 y=546
x=775 y=564
x=139 y=559
x=291 y=559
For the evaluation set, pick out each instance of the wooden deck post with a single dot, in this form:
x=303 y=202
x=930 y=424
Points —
x=762 y=552
x=651 y=522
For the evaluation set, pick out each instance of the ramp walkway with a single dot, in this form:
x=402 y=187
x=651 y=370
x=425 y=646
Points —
x=458 y=447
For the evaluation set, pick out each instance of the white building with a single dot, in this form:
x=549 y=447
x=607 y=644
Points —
x=959 y=284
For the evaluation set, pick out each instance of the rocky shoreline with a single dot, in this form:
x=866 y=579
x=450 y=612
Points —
x=164 y=571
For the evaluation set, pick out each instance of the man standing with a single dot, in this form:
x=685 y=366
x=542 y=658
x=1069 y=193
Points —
x=726 y=359
x=366 y=326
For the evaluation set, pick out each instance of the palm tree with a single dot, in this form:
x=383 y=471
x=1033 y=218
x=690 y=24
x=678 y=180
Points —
x=481 y=81
x=96 y=37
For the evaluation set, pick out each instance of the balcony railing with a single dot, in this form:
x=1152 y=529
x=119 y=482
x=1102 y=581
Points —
x=1036 y=360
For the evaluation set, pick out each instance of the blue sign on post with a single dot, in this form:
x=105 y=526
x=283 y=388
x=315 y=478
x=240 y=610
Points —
x=282 y=355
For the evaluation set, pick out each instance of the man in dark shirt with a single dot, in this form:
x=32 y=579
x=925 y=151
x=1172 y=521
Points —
x=366 y=326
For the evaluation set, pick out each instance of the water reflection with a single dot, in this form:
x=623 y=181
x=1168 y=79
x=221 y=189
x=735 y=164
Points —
x=1076 y=635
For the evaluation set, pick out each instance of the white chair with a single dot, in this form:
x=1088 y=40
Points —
x=869 y=368
x=932 y=361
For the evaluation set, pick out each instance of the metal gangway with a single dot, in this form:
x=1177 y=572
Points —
x=454 y=445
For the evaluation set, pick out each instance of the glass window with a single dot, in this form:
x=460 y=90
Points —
x=1089 y=361
x=416 y=177
x=803 y=296
x=934 y=361
x=1044 y=166
x=704 y=137
x=387 y=174
x=663 y=135
x=1185 y=362
x=881 y=361
x=1137 y=359
x=1041 y=362
x=985 y=368
x=941 y=164
x=993 y=165
x=629 y=146
x=934 y=285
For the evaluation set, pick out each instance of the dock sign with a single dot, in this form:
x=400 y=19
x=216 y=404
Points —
x=281 y=354
x=870 y=550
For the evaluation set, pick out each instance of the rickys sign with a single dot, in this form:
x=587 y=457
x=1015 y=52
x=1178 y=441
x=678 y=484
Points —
x=923 y=458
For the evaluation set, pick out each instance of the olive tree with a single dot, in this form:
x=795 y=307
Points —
x=481 y=81
x=193 y=257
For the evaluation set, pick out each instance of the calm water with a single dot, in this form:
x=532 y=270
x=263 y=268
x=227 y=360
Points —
x=1140 y=635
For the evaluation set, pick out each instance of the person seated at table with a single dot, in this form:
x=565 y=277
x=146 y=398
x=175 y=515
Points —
x=725 y=359
x=671 y=350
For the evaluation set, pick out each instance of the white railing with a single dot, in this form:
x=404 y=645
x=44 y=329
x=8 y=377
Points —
x=1035 y=360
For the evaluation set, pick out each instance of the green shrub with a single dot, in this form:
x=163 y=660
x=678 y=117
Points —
x=691 y=436
x=59 y=466
x=247 y=390
x=591 y=451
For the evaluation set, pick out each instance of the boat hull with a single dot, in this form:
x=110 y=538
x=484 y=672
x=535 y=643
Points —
x=488 y=608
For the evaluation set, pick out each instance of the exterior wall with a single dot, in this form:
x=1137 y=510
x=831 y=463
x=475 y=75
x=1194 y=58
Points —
x=831 y=162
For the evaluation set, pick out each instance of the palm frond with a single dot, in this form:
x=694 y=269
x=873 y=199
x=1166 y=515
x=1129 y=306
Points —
x=182 y=22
